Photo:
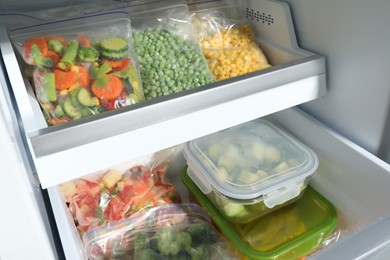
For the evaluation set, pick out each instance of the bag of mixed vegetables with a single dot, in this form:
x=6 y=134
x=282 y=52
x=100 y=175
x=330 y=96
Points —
x=169 y=54
x=227 y=40
x=119 y=192
x=81 y=66
x=167 y=232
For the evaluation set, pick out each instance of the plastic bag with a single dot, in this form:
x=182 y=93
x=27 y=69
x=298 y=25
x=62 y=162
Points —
x=169 y=54
x=119 y=192
x=166 y=232
x=82 y=66
x=227 y=40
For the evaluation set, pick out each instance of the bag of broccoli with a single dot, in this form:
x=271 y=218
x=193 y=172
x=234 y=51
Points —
x=80 y=66
x=181 y=231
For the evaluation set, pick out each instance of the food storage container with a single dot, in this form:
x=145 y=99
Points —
x=291 y=232
x=251 y=169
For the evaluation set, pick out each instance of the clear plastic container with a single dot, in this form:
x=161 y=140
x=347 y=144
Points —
x=250 y=170
x=291 y=232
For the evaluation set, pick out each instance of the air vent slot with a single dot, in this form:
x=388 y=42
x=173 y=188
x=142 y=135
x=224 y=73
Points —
x=259 y=16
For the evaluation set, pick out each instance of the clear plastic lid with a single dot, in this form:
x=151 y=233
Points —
x=251 y=160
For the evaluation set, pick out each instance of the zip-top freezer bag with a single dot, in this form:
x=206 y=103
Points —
x=166 y=232
x=227 y=40
x=81 y=66
x=165 y=43
x=118 y=192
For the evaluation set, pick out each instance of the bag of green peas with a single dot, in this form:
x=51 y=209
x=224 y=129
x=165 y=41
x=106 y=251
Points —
x=166 y=46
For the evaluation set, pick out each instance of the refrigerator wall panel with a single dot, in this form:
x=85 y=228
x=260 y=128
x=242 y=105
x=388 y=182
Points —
x=354 y=37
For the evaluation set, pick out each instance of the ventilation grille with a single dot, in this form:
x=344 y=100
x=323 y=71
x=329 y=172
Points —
x=259 y=17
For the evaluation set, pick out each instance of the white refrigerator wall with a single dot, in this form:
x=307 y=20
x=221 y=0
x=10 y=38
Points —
x=354 y=37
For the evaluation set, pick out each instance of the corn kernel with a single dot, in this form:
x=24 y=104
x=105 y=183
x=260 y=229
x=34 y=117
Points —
x=233 y=52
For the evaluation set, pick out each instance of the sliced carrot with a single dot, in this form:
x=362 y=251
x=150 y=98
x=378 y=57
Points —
x=54 y=56
x=113 y=63
x=84 y=41
x=83 y=77
x=110 y=90
x=64 y=79
x=40 y=42
x=124 y=64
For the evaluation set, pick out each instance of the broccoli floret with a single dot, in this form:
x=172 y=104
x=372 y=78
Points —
x=55 y=45
x=184 y=239
x=170 y=243
x=199 y=253
x=202 y=233
x=88 y=54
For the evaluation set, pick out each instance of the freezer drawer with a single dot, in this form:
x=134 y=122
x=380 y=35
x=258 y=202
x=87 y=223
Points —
x=355 y=181
x=297 y=76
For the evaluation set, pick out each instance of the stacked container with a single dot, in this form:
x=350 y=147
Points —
x=250 y=170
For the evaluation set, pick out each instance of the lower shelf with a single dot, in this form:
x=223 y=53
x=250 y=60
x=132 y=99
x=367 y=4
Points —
x=354 y=181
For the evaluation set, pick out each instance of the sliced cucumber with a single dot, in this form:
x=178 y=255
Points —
x=115 y=55
x=58 y=112
x=115 y=44
x=86 y=112
x=84 y=97
x=75 y=101
x=70 y=109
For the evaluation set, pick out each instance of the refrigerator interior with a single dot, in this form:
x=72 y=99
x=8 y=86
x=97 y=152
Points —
x=353 y=179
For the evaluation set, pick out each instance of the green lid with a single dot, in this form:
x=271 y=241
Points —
x=290 y=232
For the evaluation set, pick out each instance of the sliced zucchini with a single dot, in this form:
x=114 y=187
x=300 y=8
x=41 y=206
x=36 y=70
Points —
x=115 y=55
x=75 y=101
x=84 y=97
x=70 y=110
x=58 y=112
x=86 y=111
x=115 y=44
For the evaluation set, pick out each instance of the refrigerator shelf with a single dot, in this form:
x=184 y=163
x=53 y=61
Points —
x=352 y=179
x=61 y=153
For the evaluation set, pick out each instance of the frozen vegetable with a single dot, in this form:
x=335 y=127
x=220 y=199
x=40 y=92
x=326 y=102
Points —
x=115 y=196
x=168 y=232
x=169 y=63
x=100 y=61
x=226 y=38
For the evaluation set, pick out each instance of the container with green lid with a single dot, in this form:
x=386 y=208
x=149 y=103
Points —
x=287 y=233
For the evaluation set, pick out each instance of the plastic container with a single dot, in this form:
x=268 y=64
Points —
x=288 y=233
x=250 y=170
x=181 y=231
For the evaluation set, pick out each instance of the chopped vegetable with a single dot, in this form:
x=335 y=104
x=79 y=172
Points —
x=69 y=56
x=88 y=54
x=114 y=45
x=108 y=88
x=84 y=41
x=39 y=42
x=64 y=79
x=49 y=86
x=55 y=45
x=39 y=59
x=83 y=77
